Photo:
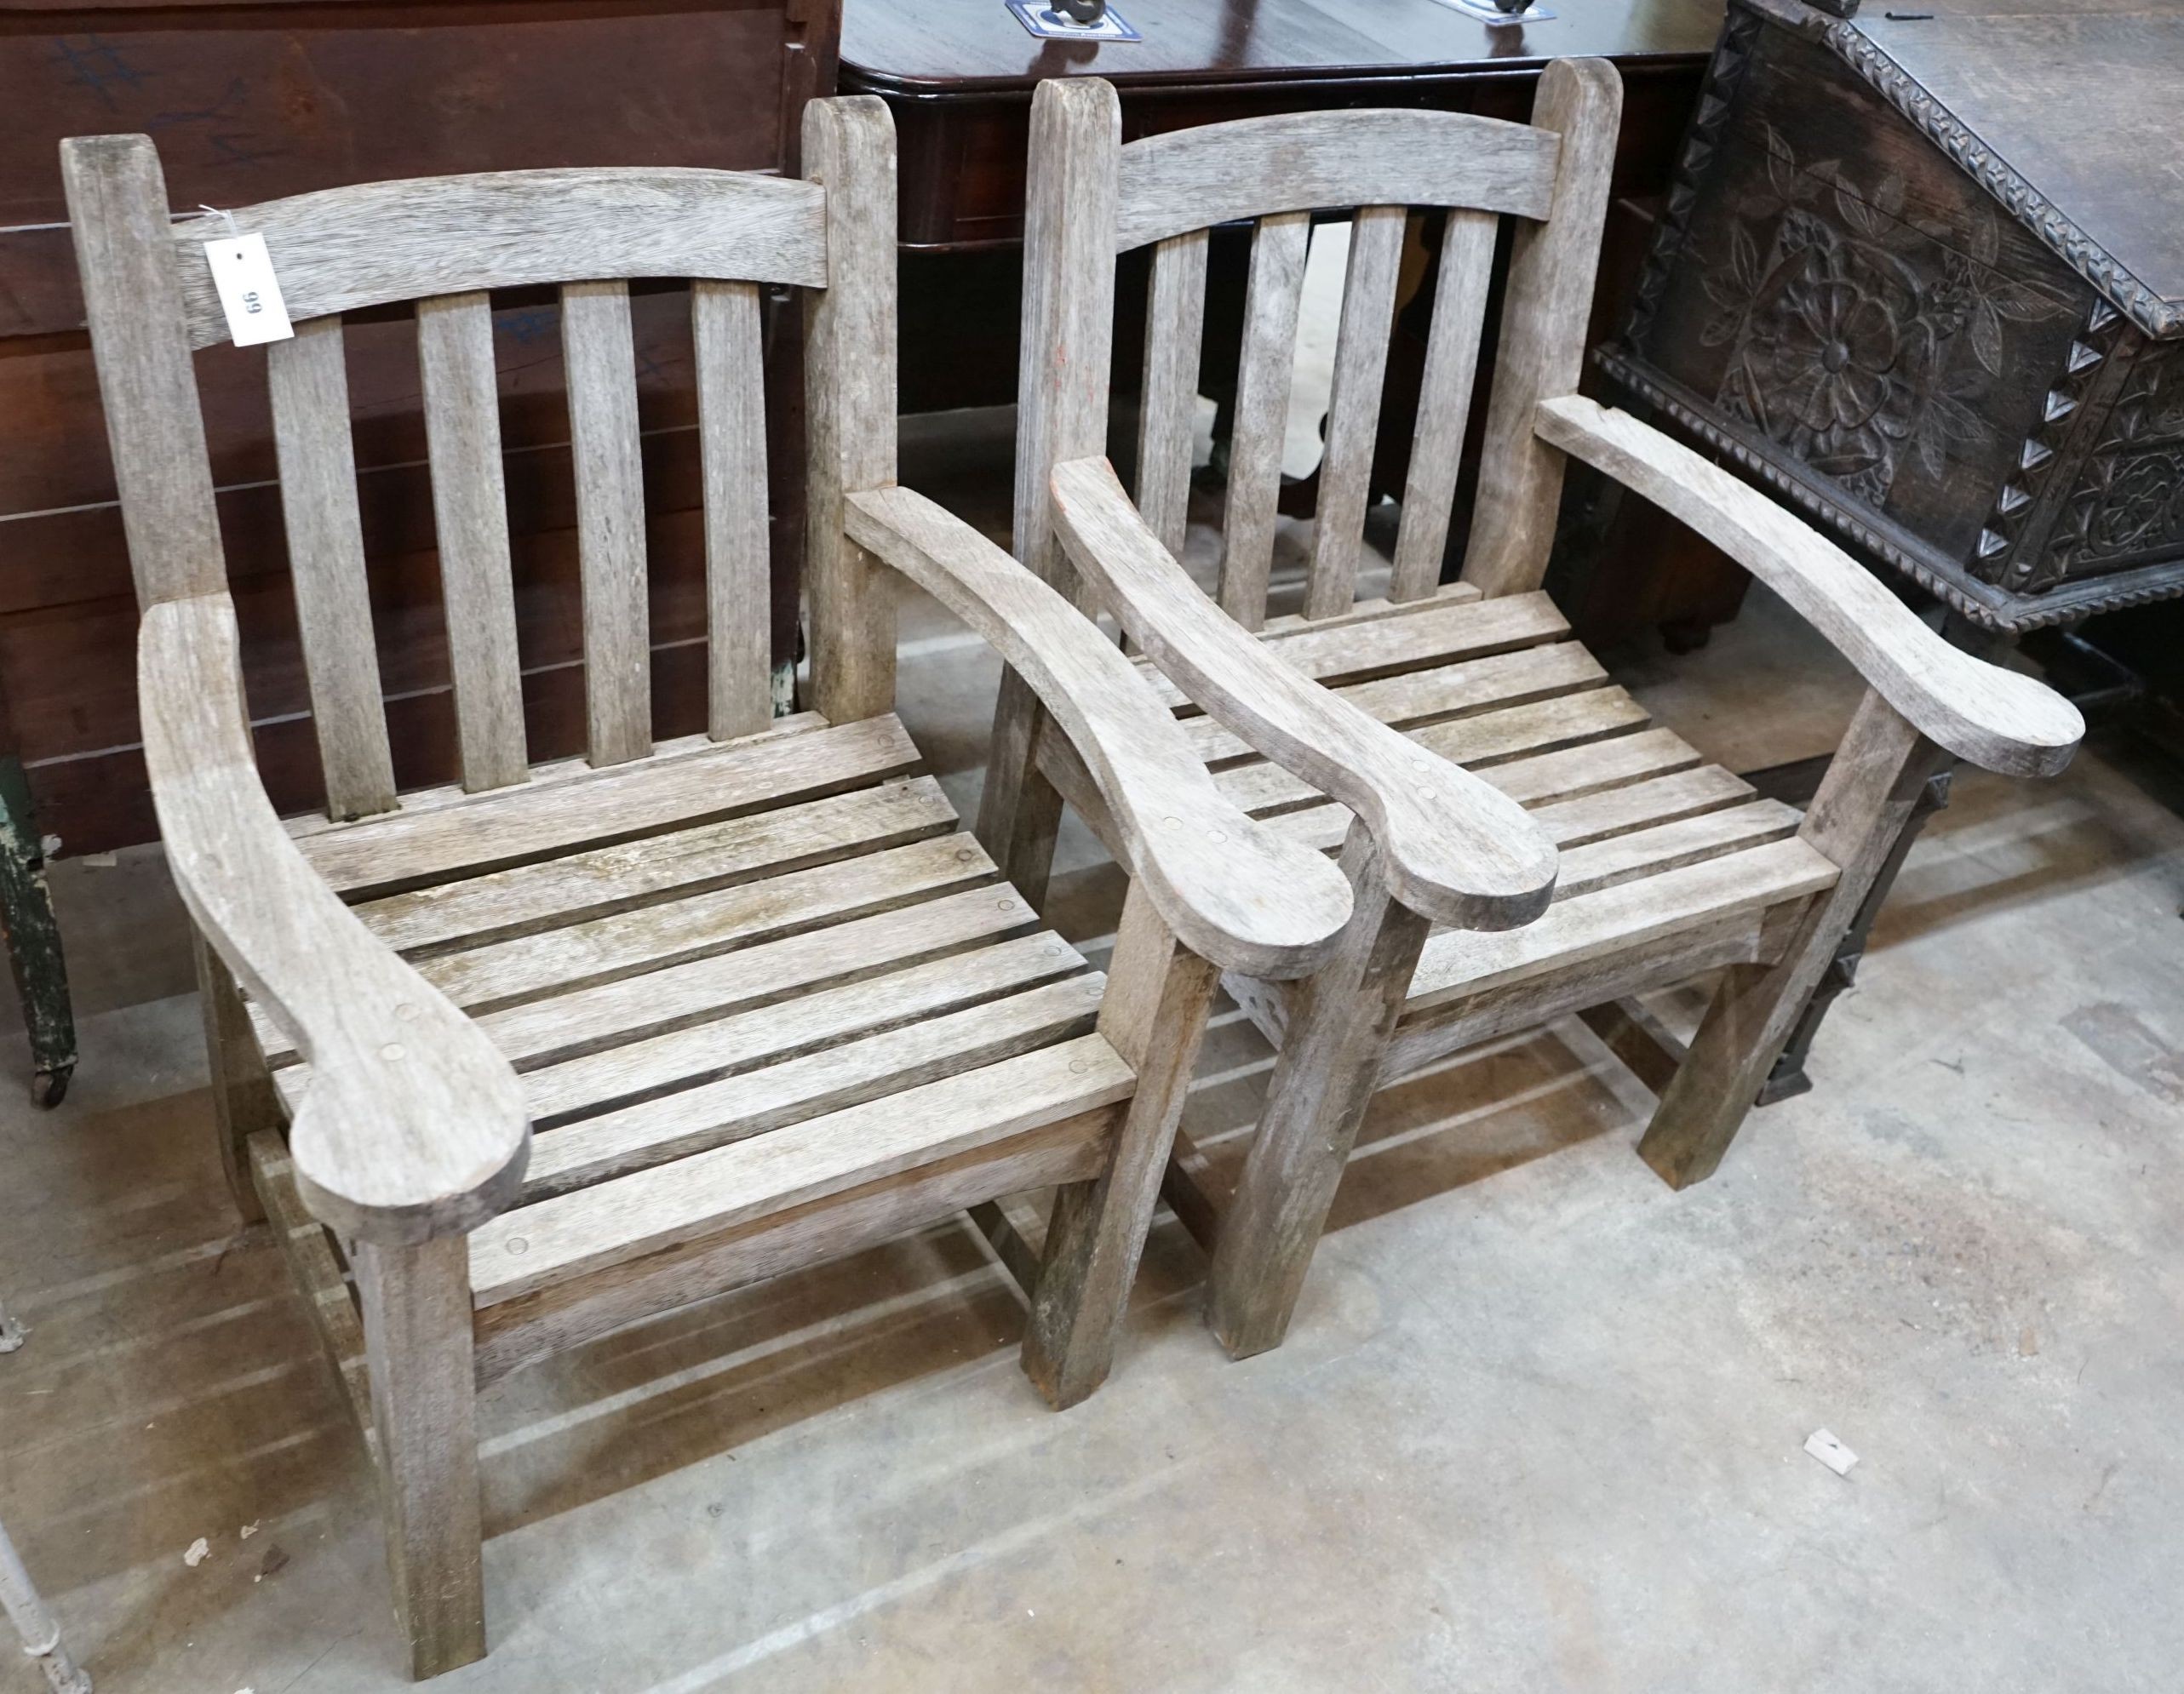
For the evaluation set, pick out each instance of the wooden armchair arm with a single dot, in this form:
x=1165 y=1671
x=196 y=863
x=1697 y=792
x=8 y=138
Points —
x=1980 y=712
x=414 y=1126
x=1456 y=850
x=1234 y=892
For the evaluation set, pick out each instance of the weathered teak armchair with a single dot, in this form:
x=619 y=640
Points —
x=1668 y=866
x=581 y=1041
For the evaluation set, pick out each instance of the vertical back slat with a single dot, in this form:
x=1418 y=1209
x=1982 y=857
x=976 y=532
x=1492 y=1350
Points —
x=731 y=429
x=600 y=357
x=308 y=381
x=1368 y=313
x=1444 y=403
x=849 y=333
x=470 y=509
x=1262 y=413
x=1545 y=308
x=1175 y=321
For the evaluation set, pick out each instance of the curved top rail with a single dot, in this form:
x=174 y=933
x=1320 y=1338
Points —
x=1297 y=162
x=341 y=249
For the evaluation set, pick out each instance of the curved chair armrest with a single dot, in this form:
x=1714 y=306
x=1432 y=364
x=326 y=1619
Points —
x=414 y=1126
x=1457 y=851
x=1235 y=894
x=1981 y=712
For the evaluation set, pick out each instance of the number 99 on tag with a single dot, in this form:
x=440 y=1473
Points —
x=250 y=292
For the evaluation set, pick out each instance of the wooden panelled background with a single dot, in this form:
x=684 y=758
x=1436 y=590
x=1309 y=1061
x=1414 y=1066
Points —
x=250 y=101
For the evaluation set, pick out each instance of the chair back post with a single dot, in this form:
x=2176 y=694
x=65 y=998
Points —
x=1068 y=304
x=1544 y=311
x=139 y=344
x=849 y=149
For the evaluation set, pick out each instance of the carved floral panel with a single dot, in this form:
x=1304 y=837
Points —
x=1857 y=337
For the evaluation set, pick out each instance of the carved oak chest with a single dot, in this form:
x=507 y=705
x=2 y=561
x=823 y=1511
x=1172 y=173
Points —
x=1922 y=270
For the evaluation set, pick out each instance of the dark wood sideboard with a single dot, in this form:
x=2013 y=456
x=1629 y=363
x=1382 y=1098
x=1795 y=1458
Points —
x=1923 y=272
x=249 y=100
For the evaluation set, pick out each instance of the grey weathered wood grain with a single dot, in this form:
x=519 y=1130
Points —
x=1861 y=808
x=849 y=365
x=651 y=1210
x=1444 y=629
x=1322 y=1082
x=1444 y=407
x=1755 y=935
x=1220 y=882
x=779 y=1065
x=1454 y=849
x=535 y=899
x=309 y=383
x=1368 y=314
x=546 y=774
x=767 y=1009
x=470 y=511
x=1493 y=688
x=243 y=1102
x=1546 y=304
x=382 y=854
x=1261 y=167
x=514 y=1333
x=601 y=360
x=1276 y=285
x=117 y=219
x=731 y=428
x=851 y=879
x=1175 y=319
x=1595 y=926
x=417 y=1342
x=341 y=249
x=1067 y=341
x=1154 y=1014
x=2000 y=720
x=301 y=1238
x=413 y=1128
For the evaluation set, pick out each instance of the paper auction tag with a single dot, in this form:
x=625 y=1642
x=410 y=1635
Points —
x=250 y=292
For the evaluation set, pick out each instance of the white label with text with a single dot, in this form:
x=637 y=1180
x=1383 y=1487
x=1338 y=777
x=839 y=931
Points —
x=250 y=292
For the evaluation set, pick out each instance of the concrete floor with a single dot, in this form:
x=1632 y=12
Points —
x=1538 y=1425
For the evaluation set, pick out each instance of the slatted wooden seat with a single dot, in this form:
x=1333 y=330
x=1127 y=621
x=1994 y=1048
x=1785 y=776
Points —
x=1656 y=847
x=1595 y=855
x=512 y=1063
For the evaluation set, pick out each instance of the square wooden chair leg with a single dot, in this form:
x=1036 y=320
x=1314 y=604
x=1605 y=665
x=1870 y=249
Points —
x=242 y=1098
x=1158 y=995
x=418 y=1345
x=1865 y=803
x=1322 y=1082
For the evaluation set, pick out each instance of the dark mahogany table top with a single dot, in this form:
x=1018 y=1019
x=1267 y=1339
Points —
x=936 y=48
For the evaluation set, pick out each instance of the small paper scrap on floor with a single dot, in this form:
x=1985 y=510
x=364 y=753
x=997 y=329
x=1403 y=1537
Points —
x=200 y=1550
x=1830 y=1452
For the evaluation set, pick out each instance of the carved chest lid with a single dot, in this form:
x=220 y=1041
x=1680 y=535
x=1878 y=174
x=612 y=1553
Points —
x=2066 y=112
